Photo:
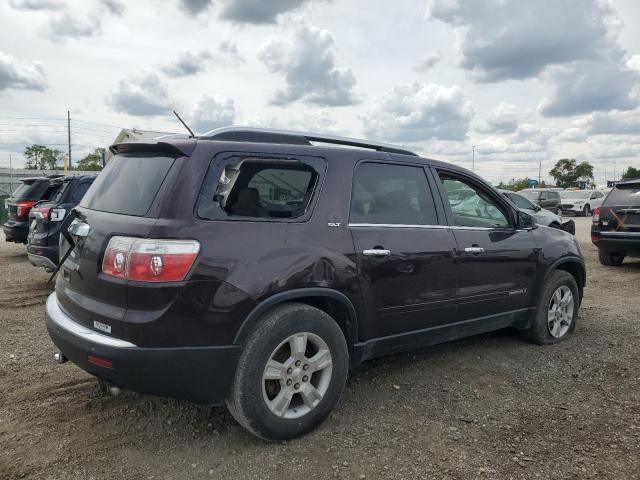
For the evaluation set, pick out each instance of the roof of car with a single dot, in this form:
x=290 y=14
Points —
x=182 y=144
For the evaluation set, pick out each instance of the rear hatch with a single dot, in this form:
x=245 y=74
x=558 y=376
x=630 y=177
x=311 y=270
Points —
x=39 y=214
x=25 y=196
x=121 y=202
x=620 y=212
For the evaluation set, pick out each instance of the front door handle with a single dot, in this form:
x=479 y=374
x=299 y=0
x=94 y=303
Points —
x=376 y=252
x=474 y=250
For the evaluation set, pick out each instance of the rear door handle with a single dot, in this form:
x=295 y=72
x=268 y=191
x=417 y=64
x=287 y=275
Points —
x=474 y=250
x=376 y=252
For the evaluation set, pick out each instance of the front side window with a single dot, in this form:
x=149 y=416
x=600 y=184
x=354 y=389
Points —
x=477 y=209
x=259 y=189
x=391 y=194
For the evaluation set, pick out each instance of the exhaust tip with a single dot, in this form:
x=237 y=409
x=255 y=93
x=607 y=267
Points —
x=60 y=358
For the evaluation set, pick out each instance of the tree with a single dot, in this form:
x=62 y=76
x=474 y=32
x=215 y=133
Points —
x=631 y=173
x=40 y=157
x=515 y=184
x=92 y=162
x=568 y=173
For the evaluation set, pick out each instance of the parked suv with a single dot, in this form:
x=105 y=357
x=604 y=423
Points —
x=20 y=203
x=544 y=198
x=47 y=216
x=581 y=202
x=615 y=228
x=254 y=268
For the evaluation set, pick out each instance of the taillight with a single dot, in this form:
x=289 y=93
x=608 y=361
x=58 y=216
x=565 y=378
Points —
x=149 y=260
x=23 y=208
x=596 y=215
x=57 y=214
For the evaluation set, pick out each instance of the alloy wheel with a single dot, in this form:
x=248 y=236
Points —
x=297 y=375
x=560 y=311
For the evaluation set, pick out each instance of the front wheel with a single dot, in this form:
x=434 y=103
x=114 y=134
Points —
x=586 y=211
x=291 y=372
x=610 y=259
x=557 y=310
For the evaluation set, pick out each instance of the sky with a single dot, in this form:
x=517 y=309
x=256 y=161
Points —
x=523 y=82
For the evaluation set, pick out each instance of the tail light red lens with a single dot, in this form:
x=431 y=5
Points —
x=23 y=208
x=149 y=260
x=596 y=215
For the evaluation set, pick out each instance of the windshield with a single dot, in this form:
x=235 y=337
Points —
x=575 y=194
x=520 y=201
x=531 y=194
x=128 y=184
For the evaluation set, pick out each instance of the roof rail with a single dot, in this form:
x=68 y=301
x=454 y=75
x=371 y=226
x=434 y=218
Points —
x=267 y=135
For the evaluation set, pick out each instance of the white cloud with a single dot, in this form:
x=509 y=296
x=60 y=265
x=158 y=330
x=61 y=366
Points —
x=144 y=95
x=36 y=5
x=21 y=76
x=316 y=121
x=417 y=112
x=212 y=112
x=514 y=39
x=427 y=62
x=503 y=119
x=307 y=62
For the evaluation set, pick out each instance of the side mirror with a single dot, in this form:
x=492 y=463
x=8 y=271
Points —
x=525 y=220
x=538 y=208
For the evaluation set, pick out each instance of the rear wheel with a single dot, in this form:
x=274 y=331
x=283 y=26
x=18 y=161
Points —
x=610 y=259
x=586 y=211
x=557 y=310
x=291 y=373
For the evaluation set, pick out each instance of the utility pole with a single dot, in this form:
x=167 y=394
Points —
x=10 y=176
x=540 y=172
x=473 y=158
x=69 y=136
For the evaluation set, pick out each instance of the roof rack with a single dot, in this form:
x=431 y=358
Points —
x=267 y=135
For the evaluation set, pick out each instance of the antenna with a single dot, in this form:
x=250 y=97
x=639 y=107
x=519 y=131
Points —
x=182 y=122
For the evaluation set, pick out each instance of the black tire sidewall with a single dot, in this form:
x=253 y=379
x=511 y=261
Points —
x=278 y=325
x=539 y=331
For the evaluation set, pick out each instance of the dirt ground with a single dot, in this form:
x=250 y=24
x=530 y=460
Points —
x=488 y=407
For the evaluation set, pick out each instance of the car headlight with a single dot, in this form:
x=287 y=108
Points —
x=578 y=202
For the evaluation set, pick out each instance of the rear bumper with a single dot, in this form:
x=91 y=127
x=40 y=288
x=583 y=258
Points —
x=200 y=374
x=16 y=231
x=624 y=243
x=46 y=257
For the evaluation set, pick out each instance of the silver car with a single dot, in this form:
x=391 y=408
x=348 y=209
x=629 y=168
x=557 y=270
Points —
x=542 y=216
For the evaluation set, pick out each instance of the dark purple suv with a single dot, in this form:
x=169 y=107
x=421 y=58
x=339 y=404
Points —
x=255 y=268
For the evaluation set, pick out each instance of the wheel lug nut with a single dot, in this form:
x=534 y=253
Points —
x=296 y=386
x=298 y=363
x=305 y=378
x=289 y=370
x=289 y=382
x=305 y=367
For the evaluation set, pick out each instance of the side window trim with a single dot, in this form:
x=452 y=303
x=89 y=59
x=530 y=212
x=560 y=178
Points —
x=439 y=213
x=449 y=213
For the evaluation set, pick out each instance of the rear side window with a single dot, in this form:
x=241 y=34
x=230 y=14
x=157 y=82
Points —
x=258 y=189
x=391 y=194
x=128 y=184
x=624 y=195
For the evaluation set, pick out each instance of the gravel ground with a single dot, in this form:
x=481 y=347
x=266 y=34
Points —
x=489 y=407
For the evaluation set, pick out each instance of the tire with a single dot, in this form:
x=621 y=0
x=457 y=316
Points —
x=253 y=397
x=586 y=211
x=610 y=259
x=543 y=330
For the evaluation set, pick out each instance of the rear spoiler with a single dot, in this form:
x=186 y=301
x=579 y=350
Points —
x=182 y=148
